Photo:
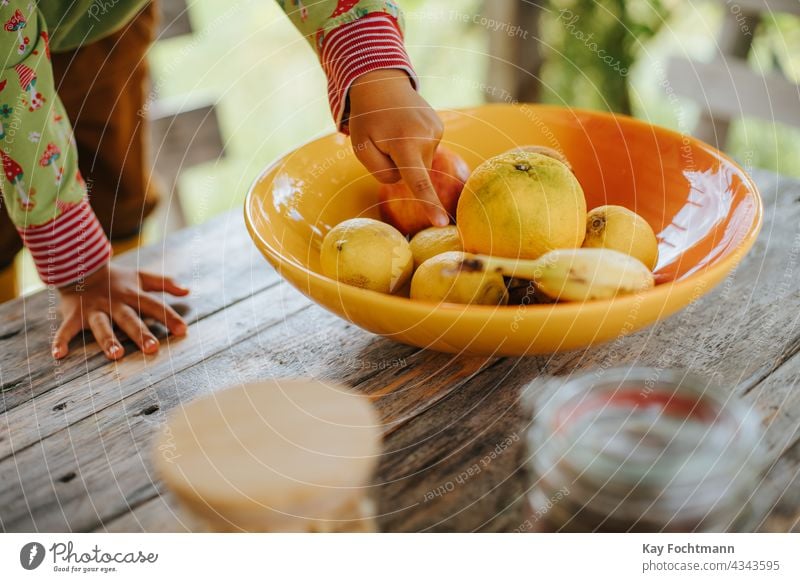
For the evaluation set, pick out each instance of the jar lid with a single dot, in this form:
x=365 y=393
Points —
x=270 y=455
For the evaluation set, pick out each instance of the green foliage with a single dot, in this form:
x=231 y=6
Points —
x=591 y=46
x=271 y=93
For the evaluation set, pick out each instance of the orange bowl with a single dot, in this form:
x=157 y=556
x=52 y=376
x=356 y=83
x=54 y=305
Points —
x=704 y=207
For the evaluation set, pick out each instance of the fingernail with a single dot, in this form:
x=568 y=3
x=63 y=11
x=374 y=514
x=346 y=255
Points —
x=150 y=344
x=180 y=329
x=114 y=350
x=57 y=352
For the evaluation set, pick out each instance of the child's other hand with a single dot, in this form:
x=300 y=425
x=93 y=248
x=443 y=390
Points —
x=121 y=297
x=395 y=133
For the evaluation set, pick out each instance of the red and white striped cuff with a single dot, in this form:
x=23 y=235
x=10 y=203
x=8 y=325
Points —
x=68 y=248
x=351 y=50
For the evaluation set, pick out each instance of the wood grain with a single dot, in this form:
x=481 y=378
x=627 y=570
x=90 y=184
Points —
x=217 y=261
x=455 y=456
x=777 y=398
x=108 y=453
x=83 y=397
x=736 y=337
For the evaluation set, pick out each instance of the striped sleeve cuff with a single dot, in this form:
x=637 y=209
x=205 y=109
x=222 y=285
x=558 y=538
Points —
x=351 y=50
x=68 y=248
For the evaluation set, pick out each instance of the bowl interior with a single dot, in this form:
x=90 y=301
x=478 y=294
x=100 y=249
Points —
x=701 y=204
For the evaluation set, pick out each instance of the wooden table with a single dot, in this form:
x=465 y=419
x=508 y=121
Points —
x=75 y=436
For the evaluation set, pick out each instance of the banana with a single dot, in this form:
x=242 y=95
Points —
x=575 y=274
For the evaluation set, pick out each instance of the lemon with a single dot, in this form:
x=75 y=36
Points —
x=367 y=253
x=434 y=241
x=620 y=229
x=455 y=278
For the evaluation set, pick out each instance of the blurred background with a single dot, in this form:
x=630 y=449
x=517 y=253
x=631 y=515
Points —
x=235 y=86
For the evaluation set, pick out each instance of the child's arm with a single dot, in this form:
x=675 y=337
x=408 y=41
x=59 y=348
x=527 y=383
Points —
x=372 y=89
x=46 y=199
x=44 y=193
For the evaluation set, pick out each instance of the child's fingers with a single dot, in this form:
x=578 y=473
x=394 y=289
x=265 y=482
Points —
x=129 y=321
x=154 y=282
x=68 y=329
x=100 y=324
x=160 y=311
x=416 y=177
x=379 y=164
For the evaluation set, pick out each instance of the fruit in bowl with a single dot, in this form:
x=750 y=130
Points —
x=434 y=241
x=367 y=253
x=573 y=274
x=521 y=205
x=545 y=151
x=621 y=229
x=706 y=216
x=611 y=265
x=401 y=209
x=455 y=277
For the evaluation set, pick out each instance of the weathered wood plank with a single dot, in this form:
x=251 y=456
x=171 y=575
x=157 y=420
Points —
x=515 y=53
x=73 y=401
x=769 y=96
x=405 y=386
x=184 y=135
x=87 y=447
x=737 y=336
x=217 y=260
x=443 y=414
x=158 y=514
x=174 y=19
x=101 y=449
x=453 y=480
x=778 y=400
x=456 y=480
x=734 y=40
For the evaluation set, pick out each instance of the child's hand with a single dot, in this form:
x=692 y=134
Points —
x=395 y=133
x=119 y=296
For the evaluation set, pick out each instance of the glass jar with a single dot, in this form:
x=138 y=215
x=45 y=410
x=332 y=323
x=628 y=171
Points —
x=642 y=450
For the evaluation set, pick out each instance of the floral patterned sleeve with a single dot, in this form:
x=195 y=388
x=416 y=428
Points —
x=42 y=188
x=351 y=37
x=43 y=191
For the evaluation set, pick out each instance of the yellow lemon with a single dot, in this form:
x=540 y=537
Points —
x=620 y=229
x=434 y=241
x=367 y=253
